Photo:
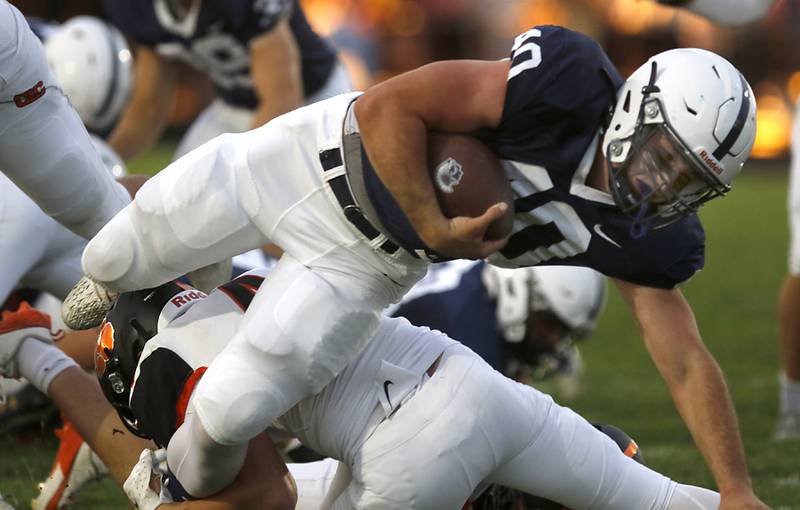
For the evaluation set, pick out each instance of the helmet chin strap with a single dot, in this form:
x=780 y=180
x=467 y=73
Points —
x=640 y=228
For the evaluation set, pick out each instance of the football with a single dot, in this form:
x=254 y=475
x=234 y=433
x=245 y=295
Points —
x=468 y=178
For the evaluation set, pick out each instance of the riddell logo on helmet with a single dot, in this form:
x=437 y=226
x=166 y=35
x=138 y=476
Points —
x=23 y=99
x=186 y=297
x=711 y=162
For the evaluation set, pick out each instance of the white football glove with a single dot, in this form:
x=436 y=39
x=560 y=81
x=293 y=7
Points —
x=137 y=486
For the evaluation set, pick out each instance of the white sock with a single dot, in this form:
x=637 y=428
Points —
x=790 y=394
x=40 y=362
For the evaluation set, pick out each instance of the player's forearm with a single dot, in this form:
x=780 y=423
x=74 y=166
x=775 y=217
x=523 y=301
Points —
x=138 y=130
x=144 y=118
x=703 y=401
x=278 y=91
x=396 y=142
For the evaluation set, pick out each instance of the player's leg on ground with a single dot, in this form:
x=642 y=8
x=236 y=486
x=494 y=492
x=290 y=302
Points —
x=266 y=369
x=586 y=469
x=26 y=350
x=788 y=303
x=75 y=466
x=44 y=147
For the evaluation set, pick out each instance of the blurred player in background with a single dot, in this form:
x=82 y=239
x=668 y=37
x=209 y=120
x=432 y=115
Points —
x=788 y=426
x=94 y=67
x=262 y=56
x=44 y=147
x=523 y=322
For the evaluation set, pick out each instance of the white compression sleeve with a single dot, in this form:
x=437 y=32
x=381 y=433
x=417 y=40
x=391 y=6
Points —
x=201 y=465
x=41 y=362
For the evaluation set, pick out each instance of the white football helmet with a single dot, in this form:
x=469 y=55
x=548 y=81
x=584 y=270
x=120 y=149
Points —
x=574 y=295
x=682 y=128
x=111 y=160
x=94 y=67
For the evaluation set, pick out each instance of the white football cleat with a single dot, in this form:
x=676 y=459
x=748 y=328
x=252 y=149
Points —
x=87 y=304
x=788 y=426
x=24 y=322
x=75 y=466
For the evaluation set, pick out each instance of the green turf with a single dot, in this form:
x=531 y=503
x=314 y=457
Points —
x=734 y=300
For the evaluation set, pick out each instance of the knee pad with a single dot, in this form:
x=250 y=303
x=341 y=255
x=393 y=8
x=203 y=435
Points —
x=110 y=254
x=235 y=401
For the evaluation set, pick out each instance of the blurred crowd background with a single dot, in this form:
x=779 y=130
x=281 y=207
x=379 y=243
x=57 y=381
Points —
x=380 y=38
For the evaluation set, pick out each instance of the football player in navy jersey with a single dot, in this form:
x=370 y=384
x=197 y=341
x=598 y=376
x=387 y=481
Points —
x=607 y=174
x=523 y=322
x=262 y=56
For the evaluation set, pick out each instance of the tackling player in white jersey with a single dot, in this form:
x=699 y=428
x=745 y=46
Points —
x=416 y=420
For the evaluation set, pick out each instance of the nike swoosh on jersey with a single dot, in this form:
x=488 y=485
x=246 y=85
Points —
x=598 y=230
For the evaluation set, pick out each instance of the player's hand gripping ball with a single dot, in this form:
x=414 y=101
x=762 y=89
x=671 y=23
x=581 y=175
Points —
x=468 y=178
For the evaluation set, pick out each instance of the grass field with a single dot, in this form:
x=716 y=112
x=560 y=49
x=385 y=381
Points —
x=734 y=300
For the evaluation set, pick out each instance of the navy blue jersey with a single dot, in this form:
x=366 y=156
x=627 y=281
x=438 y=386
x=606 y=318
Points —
x=453 y=299
x=215 y=39
x=560 y=89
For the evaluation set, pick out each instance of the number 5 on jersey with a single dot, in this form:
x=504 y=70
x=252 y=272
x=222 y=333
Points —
x=527 y=54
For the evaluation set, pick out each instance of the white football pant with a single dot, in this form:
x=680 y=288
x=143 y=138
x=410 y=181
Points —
x=238 y=192
x=35 y=251
x=44 y=147
x=469 y=424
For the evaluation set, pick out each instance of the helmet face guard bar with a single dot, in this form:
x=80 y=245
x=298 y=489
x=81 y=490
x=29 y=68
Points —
x=660 y=180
